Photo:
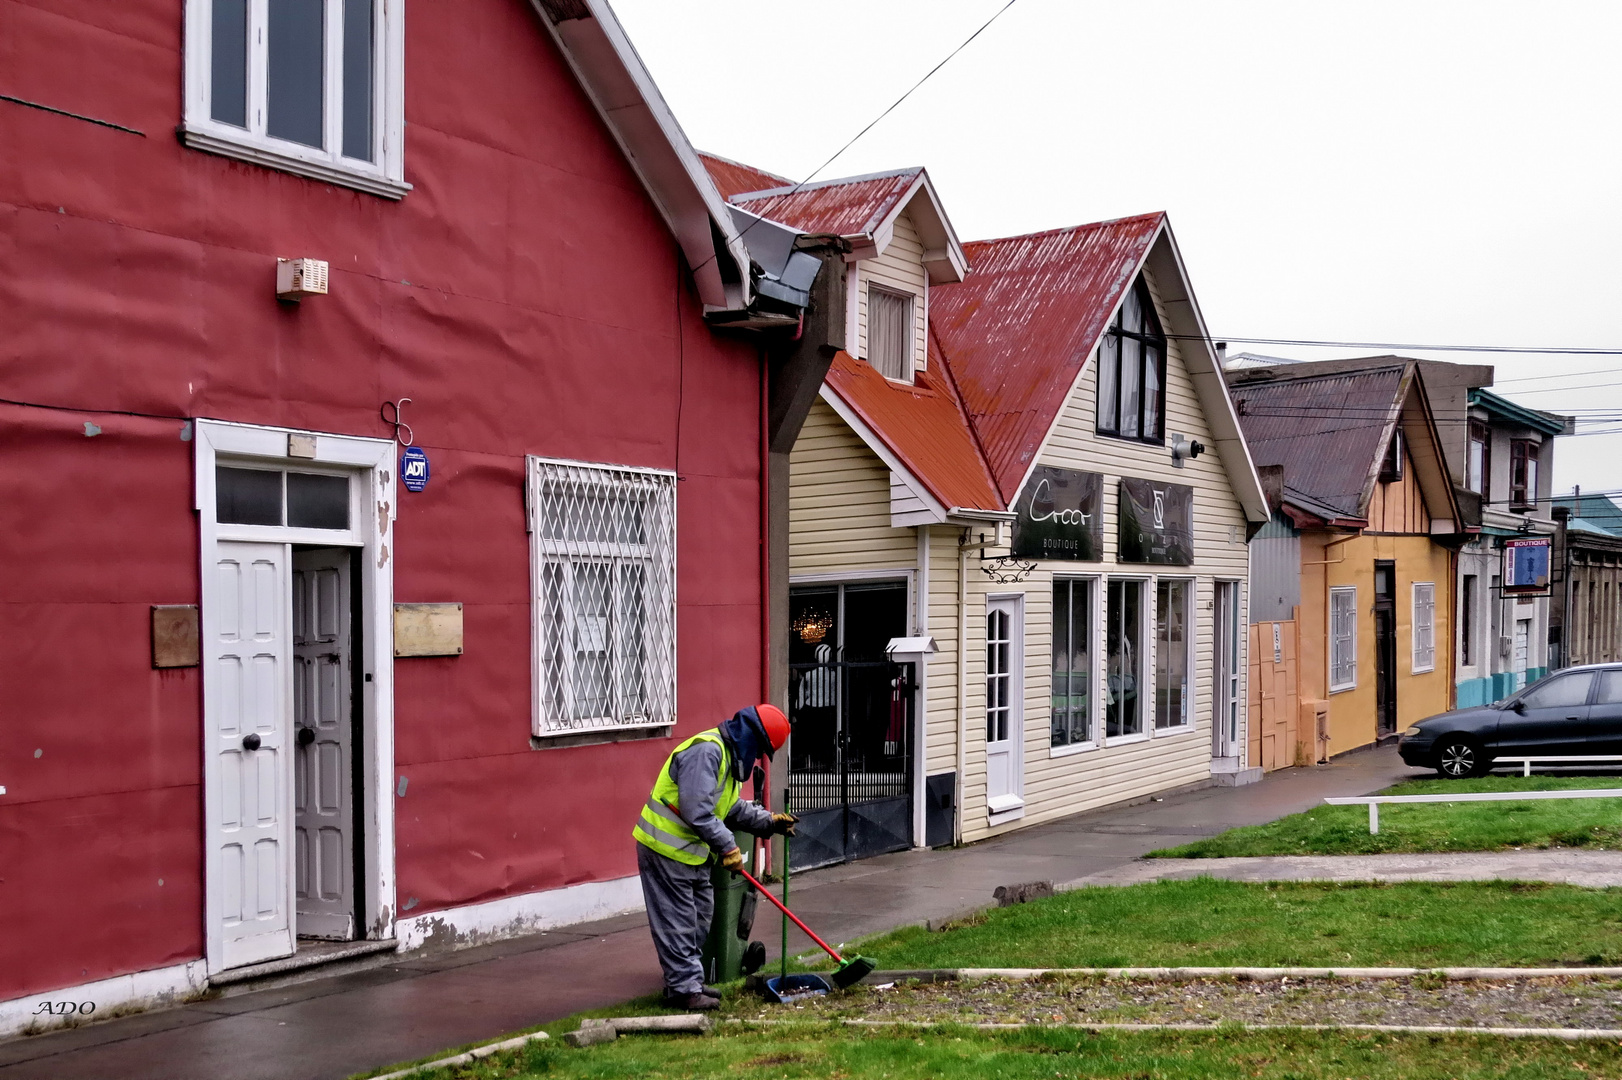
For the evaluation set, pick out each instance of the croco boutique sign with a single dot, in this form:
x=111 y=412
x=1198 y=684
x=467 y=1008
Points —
x=1157 y=522
x=1059 y=516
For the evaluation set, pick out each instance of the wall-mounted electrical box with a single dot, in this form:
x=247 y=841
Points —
x=298 y=278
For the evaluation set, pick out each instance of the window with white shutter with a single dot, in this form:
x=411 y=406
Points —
x=889 y=333
x=603 y=550
x=1342 y=638
x=1424 y=626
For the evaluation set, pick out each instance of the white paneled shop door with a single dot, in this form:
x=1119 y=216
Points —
x=1005 y=705
x=249 y=725
x=323 y=760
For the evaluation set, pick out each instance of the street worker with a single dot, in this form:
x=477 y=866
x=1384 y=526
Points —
x=684 y=829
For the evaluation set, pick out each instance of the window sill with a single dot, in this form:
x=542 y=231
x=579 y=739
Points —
x=1422 y=670
x=600 y=736
x=1179 y=729
x=1127 y=740
x=372 y=183
x=1342 y=689
x=1071 y=749
x=1159 y=440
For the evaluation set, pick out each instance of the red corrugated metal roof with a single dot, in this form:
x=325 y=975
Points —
x=852 y=207
x=924 y=425
x=734 y=177
x=1017 y=332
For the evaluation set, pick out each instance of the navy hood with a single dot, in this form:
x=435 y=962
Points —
x=746 y=737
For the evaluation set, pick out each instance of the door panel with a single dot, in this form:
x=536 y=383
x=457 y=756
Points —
x=1005 y=706
x=247 y=704
x=1554 y=720
x=1225 y=677
x=1605 y=715
x=324 y=812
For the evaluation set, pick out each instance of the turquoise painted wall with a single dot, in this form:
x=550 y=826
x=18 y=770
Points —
x=1485 y=691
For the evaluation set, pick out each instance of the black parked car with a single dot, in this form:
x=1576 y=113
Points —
x=1575 y=711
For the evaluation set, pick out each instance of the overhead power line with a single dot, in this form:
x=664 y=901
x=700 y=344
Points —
x=1540 y=350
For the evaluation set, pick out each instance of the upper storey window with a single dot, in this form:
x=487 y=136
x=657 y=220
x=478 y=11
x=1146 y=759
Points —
x=310 y=86
x=889 y=333
x=1132 y=371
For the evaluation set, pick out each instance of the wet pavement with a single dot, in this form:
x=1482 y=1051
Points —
x=412 y=1005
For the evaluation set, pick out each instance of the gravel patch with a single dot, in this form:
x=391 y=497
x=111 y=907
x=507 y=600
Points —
x=1549 y=1002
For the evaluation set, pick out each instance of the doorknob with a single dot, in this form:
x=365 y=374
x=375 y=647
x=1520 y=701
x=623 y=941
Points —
x=250 y=741
x=306 y=736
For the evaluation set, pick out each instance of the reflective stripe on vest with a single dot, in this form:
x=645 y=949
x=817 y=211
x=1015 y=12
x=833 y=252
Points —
x=662 y=828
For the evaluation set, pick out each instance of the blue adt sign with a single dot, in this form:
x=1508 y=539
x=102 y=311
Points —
x=414 y=468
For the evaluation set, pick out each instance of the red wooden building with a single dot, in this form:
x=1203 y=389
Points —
x=259 y=695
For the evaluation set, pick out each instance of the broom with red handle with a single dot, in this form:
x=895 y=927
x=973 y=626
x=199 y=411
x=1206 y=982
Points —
x=849 y=972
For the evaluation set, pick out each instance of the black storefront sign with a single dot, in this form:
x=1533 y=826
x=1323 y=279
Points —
x=1060 y=516
x=1157 y=522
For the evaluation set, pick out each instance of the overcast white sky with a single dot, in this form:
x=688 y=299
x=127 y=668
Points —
x=1443 y=173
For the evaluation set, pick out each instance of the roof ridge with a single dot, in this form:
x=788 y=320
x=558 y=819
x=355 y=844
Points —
x=1245 y=383
x=794 y=189
x=1068 y=228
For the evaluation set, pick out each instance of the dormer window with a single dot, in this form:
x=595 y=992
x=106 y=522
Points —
x=1132 y=371
x=312 y=87
x=889 y=333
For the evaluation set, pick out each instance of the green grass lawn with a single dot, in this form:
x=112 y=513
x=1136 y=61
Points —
x=1495 y=826
x=820 y=1052
x=1206 y=922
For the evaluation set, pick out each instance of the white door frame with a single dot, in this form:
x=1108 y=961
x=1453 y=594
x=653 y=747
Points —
x=1014 y=802
x=1226 y=743
x=373 y=507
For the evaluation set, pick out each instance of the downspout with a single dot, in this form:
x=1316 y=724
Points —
x=962 y=681
x=764 y=539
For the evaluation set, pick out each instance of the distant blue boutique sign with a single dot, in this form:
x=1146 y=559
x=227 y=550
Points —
x=1526 y=566
x=414 y=468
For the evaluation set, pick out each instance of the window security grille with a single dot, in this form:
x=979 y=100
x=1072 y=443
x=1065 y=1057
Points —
x=1342 y=638
x=603 y=550
x=1424 y=627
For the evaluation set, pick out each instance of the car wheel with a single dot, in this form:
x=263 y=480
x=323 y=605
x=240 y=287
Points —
x=1457 y=759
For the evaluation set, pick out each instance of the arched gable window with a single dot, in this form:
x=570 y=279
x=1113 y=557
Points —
x=1132 y=371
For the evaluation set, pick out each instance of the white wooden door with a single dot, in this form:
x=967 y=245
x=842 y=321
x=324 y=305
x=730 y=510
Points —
x=1225 y=676
x=249 y=726
x=323 y=787
x=1005 y=705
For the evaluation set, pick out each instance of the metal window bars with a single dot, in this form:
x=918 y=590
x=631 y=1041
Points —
x=603 y=546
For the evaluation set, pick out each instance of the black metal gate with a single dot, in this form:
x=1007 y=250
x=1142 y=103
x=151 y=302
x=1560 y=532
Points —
x=850 y=776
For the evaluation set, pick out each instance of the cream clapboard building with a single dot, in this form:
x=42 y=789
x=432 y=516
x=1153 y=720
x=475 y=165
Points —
x=962 y=482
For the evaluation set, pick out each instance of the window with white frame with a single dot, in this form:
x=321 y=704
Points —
x=603 y=552
x=314 y=87
x=889 y=333
x=1424 y=627
x=1342 y=638
x=1173 y=694
x=1073 y=716
x=1123 y=659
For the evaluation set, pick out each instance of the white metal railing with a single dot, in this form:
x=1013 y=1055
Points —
x=1373 y=801
x=1526 y=762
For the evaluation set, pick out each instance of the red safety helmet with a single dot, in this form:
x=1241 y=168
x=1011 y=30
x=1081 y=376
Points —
x=775 y=723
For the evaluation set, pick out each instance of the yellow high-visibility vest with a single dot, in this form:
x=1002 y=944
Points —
x=661 y=827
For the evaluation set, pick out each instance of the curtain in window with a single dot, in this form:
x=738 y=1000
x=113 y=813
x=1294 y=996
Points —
x=889 y=333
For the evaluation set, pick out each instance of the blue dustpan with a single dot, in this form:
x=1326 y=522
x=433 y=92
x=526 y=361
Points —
x=784 y=989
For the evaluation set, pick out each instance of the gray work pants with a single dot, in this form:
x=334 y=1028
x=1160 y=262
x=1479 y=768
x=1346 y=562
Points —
x=680 y=902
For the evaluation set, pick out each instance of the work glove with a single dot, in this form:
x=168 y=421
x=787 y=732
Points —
x=783 y=824
x=732 y=860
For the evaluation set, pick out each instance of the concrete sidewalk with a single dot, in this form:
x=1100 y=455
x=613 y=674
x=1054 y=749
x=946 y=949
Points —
x=412 y=1005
